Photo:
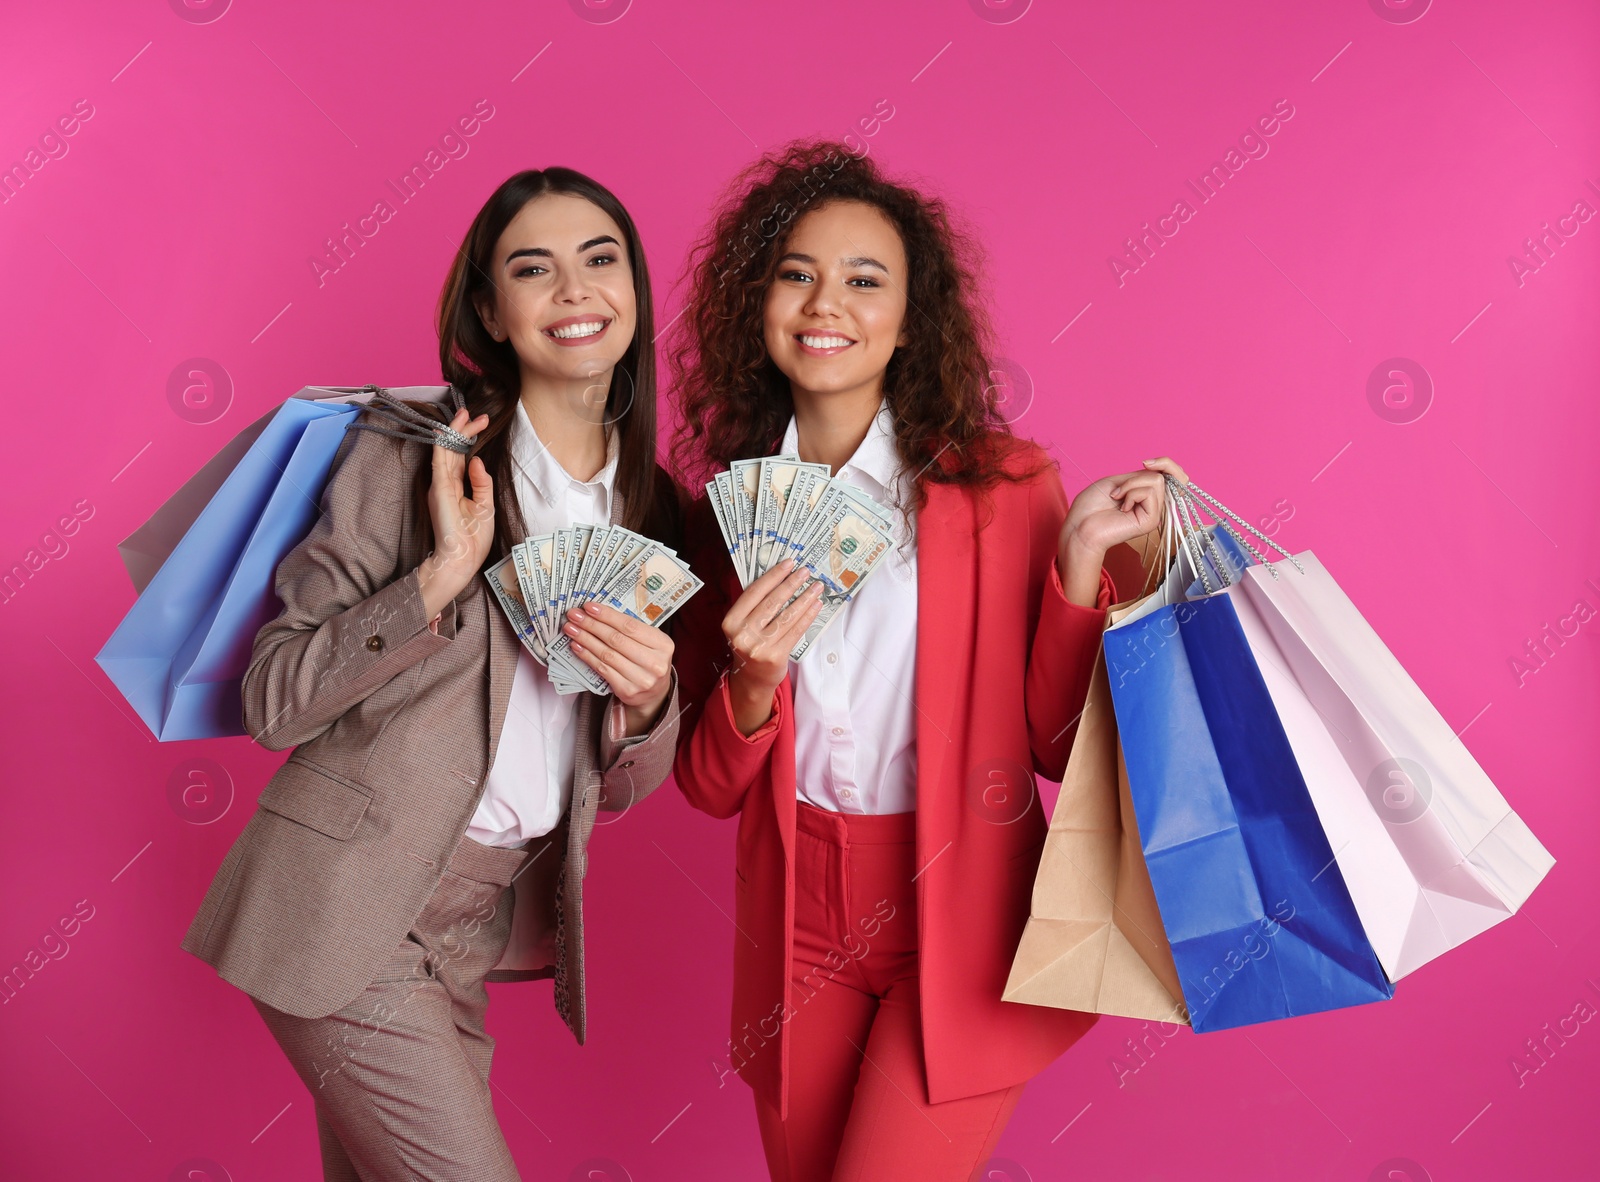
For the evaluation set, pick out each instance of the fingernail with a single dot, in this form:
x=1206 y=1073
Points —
x=592 y=608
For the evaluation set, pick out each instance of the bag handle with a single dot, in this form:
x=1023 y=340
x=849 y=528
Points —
x=1223 y=510
x=405 y=423
x=1194 y=538
x=1185 y=538
x=1167 y=541
x=1195 y=499
x=1222 y=563
x=1178 y=543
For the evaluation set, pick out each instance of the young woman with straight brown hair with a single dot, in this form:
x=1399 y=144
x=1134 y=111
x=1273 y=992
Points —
x=430 y=831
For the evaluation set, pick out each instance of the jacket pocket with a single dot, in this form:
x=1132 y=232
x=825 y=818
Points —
x=316 y=797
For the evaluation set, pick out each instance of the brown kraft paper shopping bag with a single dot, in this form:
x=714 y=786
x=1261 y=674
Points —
x=1094 y=941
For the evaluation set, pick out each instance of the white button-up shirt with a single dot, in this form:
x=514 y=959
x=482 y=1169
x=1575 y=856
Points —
x=530 y=785
x=855 y=690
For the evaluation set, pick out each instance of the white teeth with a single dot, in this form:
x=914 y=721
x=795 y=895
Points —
x=825 y=342
x=578 y=330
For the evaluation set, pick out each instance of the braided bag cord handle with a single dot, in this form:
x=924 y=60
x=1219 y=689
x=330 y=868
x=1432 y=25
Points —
x=403 y=422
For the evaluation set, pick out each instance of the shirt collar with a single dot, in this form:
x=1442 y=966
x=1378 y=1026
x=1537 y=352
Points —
x=875 y=457
x=544 y=472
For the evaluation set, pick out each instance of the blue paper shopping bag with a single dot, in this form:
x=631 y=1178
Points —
x=1259 y=919
x=181 y=651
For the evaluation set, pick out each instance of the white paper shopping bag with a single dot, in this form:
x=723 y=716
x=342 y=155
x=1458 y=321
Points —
x=1432 y=853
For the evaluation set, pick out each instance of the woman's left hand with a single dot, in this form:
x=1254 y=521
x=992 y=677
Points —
x=633 y=657
x=1113 y=509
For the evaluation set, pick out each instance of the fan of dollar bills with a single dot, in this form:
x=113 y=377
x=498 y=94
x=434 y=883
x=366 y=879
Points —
x=547 y=576
x=780 y=507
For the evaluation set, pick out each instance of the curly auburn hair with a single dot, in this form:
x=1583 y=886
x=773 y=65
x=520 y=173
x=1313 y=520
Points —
x=735 y=402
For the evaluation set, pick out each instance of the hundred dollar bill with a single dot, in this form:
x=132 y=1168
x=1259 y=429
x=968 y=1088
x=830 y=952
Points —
x=535 y=588
x=650 y=585
x=842 y=554
x=507 y=588
x=828 y=503
x=552 y=587
x=622 y=549
x=766 y=508
x=775 y=481
x=832 y=605
x=540 y=554
x=746 y=486
x=544 y=576
x=845 y=549
x=728 y=517
x=577 y=557
x=809 y=484
x=882 y=514
x=601 y=542
x=582 y=544
x=603 y=550
x=650 y=589
x=714 y=498
x=653 y=587
x=778 y=507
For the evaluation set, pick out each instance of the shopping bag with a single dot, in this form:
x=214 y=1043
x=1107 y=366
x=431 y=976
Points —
x=1260 y=922
x=204 y=563
x=1093 y=940
x=1430 y=850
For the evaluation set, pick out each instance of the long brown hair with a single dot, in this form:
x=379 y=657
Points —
x=736 y=402
x=487 y=373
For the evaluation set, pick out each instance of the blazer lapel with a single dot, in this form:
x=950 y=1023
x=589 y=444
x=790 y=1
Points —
x=590 y=718
x=503 y=643
x=946 y=586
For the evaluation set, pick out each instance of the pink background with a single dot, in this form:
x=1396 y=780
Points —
x=1422 y=152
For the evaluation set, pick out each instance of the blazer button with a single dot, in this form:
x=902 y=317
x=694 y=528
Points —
x=375 y=643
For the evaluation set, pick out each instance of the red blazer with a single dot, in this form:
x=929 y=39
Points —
x=1003 y=664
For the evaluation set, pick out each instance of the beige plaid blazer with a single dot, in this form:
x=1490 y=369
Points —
x=394 y=730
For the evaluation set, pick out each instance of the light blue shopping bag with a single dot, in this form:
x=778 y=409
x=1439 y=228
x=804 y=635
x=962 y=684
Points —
x=204 y=563
x=181 y=651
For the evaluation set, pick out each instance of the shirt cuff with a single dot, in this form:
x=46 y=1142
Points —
x=617 y=717
x=444 y=624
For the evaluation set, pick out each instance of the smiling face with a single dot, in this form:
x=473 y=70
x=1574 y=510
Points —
x=564 y=295
x=836 y=308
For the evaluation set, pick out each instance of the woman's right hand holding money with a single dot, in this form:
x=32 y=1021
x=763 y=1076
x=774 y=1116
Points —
x=761 y=631
x=463 y=527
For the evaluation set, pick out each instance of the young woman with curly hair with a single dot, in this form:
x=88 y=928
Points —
x=888 y=830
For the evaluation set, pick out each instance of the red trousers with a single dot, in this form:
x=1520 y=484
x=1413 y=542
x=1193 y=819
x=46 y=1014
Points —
x=858 y=1098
